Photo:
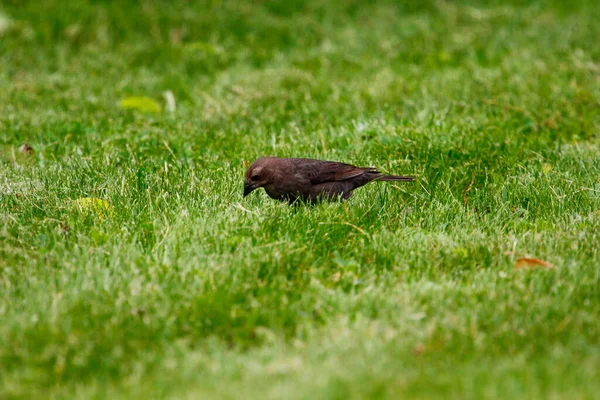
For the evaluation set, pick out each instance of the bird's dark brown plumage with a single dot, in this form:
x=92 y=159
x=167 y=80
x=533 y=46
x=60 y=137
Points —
x=292 y=179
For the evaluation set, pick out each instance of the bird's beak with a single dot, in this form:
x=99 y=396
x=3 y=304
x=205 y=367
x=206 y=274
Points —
x=249 y=187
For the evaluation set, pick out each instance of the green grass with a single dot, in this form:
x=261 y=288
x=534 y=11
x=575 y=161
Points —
x=186 y=290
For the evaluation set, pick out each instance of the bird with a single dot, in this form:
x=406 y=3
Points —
x=308 y=180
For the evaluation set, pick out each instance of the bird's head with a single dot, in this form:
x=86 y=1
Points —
x=257 y=175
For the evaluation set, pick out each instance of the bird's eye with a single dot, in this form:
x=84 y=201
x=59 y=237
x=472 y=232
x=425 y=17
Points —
x=255 y=177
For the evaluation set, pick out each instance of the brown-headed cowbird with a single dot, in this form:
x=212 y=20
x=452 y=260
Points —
x=292 y=179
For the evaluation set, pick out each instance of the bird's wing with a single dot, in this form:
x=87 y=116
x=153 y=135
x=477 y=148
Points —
x=330 y=171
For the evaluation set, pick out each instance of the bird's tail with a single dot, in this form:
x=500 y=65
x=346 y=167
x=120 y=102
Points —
x=395 y=178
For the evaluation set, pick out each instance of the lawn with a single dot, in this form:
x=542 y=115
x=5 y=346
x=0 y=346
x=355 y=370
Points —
x=131 y=266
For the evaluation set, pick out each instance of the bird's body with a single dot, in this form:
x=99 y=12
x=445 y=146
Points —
x=292 y=179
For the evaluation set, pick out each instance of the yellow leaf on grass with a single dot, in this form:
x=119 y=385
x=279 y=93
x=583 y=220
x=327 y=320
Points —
x=92 y=205
x=529 y=262
x=140 y=103
x=336 y=277
x=5 y=23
